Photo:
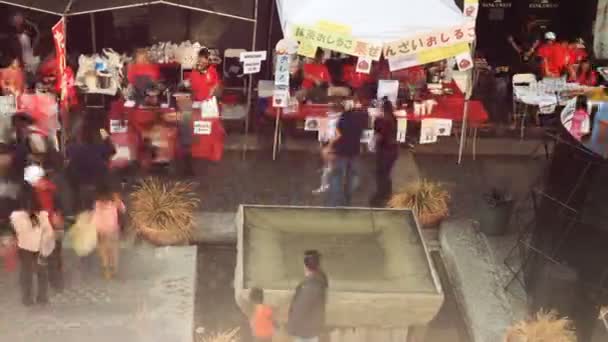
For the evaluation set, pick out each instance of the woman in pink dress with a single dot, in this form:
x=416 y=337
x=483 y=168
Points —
x=105 y=218
x=579 y=117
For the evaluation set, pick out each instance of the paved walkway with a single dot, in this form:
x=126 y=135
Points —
x=151 y=300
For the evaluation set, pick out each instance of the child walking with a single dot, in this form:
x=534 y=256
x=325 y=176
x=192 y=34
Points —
x=35 y=242
x=105 y=218
x=262 y=319
x=328 y=157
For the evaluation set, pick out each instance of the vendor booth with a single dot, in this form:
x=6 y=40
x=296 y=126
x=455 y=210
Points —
x=394 y=48
x=152 y=132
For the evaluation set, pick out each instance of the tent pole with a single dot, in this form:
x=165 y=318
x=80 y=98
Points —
x=275 y=143
x=93 y=32
x=465 y=114
x=269 y=38
x=250 y=85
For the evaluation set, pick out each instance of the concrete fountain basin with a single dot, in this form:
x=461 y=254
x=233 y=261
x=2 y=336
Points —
x=379 y=269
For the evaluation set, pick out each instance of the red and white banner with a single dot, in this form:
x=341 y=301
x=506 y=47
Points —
x=60 y=49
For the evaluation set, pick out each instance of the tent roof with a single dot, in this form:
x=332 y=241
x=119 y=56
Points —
x=237 y=9
x=56 y=7
x=378 y=20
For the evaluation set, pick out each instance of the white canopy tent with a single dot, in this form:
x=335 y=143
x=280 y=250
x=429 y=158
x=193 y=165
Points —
x=381 y=22
x=376 y=21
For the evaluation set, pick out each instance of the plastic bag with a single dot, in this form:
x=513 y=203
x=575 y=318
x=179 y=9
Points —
x=83 y=234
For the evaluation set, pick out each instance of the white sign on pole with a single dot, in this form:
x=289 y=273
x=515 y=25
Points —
x=252 y=67
x=252 y=56
x=281 y=75
x=280 y=97
x=252 y=61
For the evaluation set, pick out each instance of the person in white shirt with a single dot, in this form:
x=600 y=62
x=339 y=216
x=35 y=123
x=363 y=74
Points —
x=35 y=242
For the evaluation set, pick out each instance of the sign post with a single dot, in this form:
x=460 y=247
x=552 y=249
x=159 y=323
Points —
x=280 y=97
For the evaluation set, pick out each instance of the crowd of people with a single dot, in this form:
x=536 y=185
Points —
x=34 y=212
x=542 y=52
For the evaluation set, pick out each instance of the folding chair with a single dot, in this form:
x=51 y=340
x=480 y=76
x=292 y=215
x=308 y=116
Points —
x=235 y=85
x=519 y=108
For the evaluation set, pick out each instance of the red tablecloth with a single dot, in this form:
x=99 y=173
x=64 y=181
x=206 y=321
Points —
x=448 y=107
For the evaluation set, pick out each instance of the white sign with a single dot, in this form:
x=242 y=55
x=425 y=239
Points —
x=252 y=67
x=118 y=126
x=122 y=153
x=311 y=124
x=364 y=65
x=428 y=132
x=281 y=75
x=443 y=127
x=202 y=127
x=254 y=56
x=402 y=62
x=464 y=61
x=209 y=108
x=280 y=97
x=388 y=88
x=401 y=130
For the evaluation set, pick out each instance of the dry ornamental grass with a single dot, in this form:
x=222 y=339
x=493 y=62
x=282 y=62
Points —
x=544 y=327
x=226 y=336
x=163 y=212
x=428 y=200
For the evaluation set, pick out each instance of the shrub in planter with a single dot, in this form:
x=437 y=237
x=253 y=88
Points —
x=428 y=200
x=545 y=326
x=163 y=212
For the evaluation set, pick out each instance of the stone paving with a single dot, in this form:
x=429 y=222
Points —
x=126 y=311
x=152 y=299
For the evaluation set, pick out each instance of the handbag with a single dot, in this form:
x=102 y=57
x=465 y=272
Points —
x=83 y=234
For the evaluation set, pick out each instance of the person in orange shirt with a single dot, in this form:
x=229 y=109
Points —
x=12 y=78
x=262 y=319
x=354 y=79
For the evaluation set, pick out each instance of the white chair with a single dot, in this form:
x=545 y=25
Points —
x=520 y=108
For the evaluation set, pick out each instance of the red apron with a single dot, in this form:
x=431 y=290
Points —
x=207 y=137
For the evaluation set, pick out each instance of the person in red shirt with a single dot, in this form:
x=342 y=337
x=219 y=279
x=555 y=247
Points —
x=46 y=194
x=316 y=73
x=143 y=75
x=204 y=80
x=554 y=56
x=585 y=75
x=577 y=51
x=355 y=79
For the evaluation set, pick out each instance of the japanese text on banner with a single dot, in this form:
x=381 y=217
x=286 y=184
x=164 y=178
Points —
x=432 y=40
x=337 y=42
